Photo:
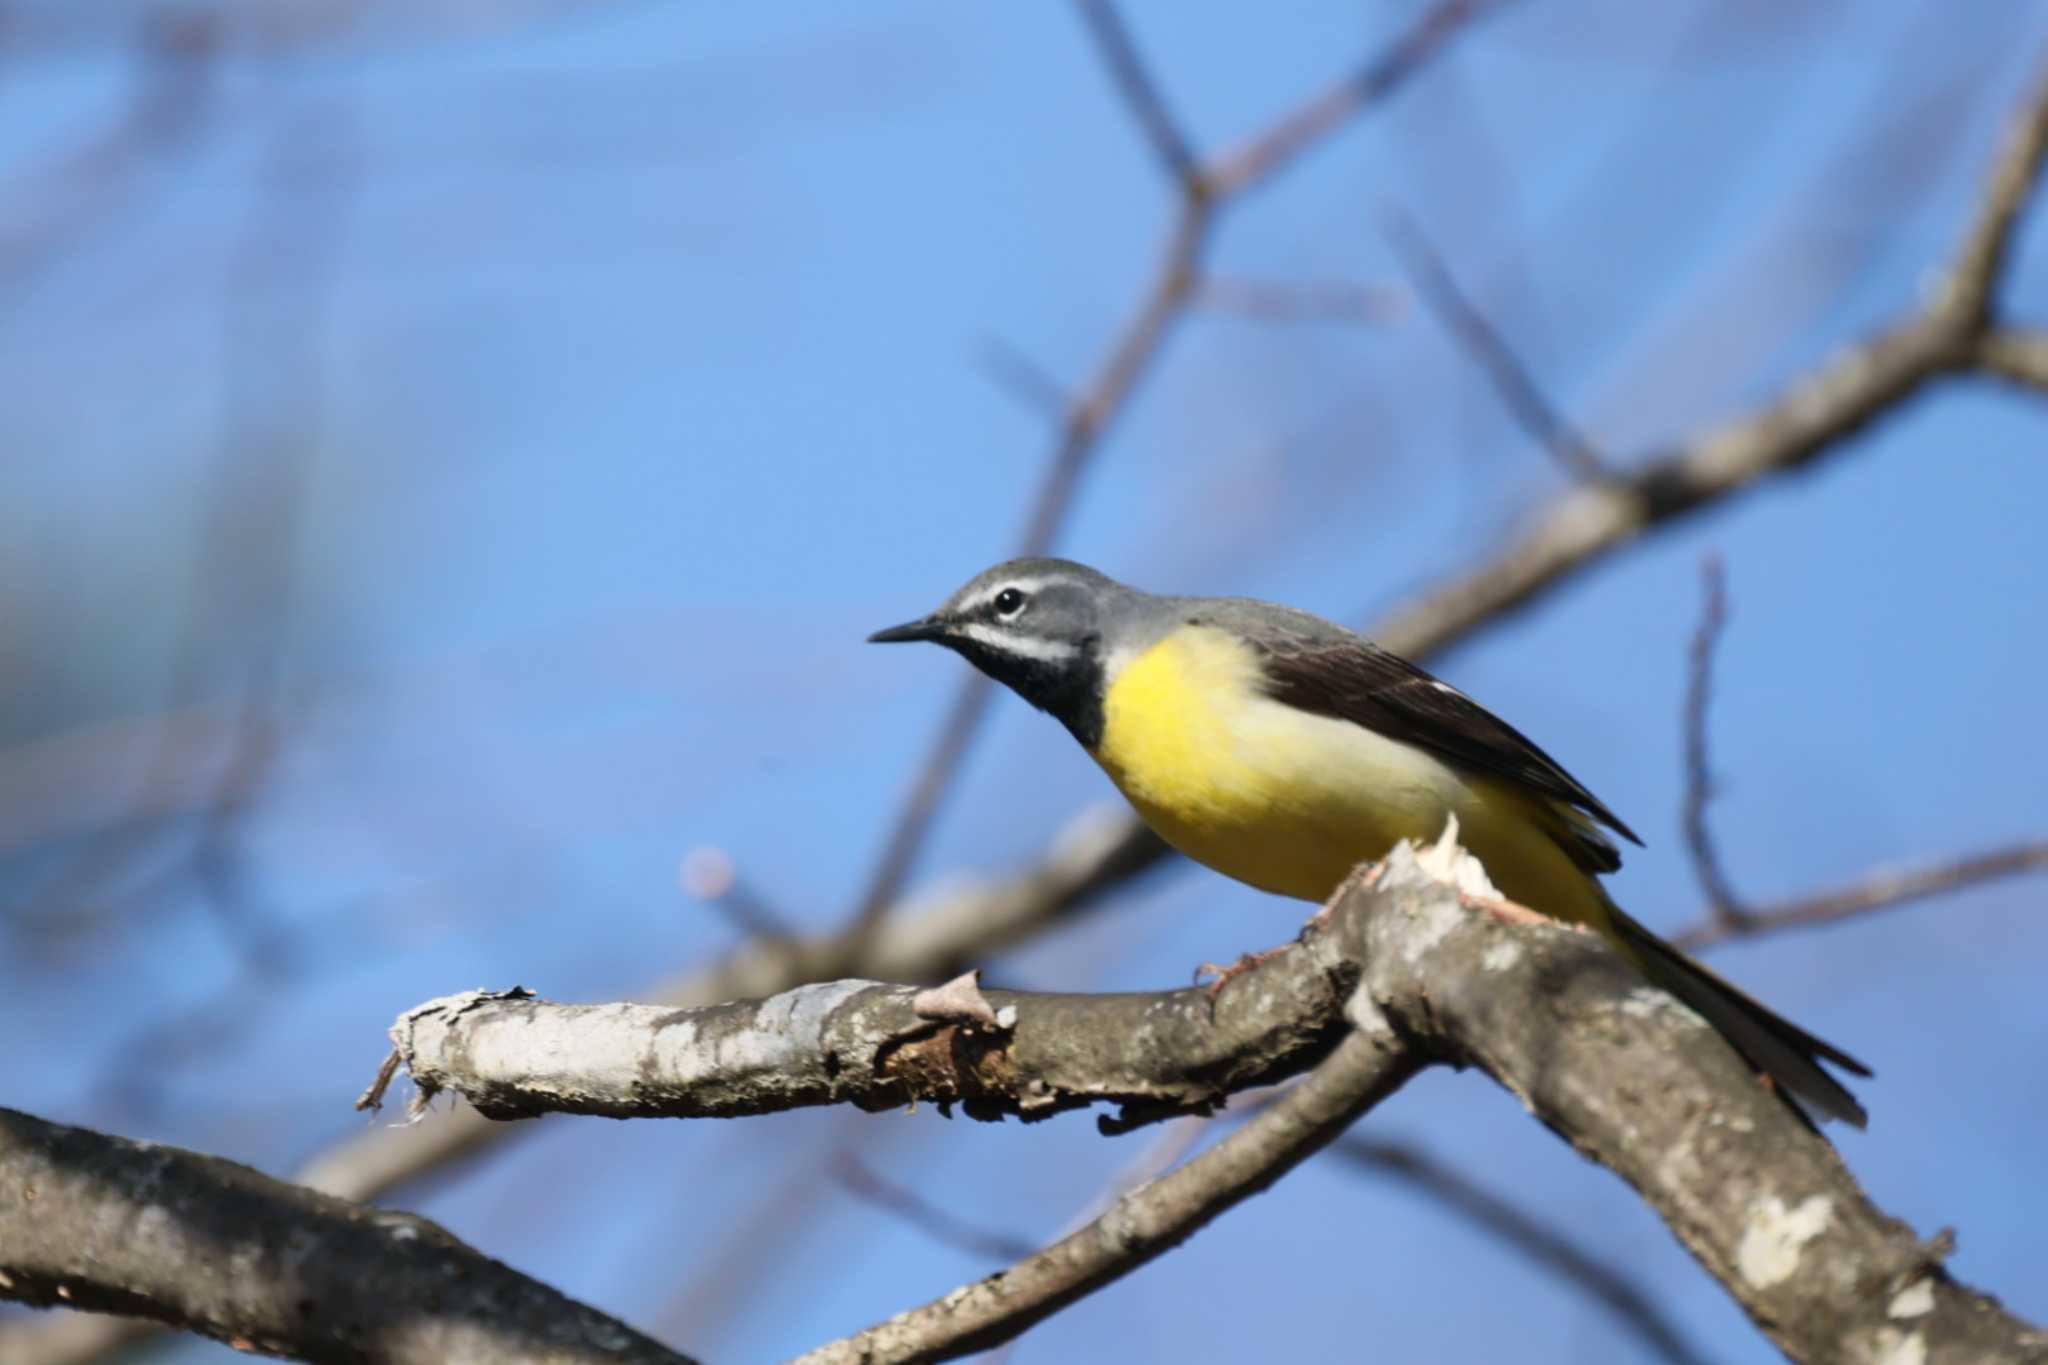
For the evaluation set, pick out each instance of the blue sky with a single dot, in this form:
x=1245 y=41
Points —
x=548 y=409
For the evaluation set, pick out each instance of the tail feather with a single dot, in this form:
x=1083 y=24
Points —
x=1773 y=1044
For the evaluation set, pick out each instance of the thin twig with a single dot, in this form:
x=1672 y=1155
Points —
x=1237 y=169
x=1511 y=379
x=1018 y=375
x=1970 y=289
x=1141 y=94
x=1174 y=1142
x=1881 y=890
x=1146 y=1222
x=1700 y=787
x=1287 y=301
x=1631 y=1305
x=854 y=1176
x=709 y=876
x=2016 y=355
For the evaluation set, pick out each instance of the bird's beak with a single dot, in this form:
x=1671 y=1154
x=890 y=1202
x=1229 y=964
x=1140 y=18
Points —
x=924 y=628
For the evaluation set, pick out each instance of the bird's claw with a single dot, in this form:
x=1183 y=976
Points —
x=1224 y=975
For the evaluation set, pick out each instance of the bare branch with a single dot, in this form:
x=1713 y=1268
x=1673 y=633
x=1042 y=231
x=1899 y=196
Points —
x=1402 y=975
x=1811 y=419
x=1291 y=301
x=2016 y=355
x=708 y=875
x=867 y=1044
x=904 y=1203
x=1634 y=1308
x=1653 y=1093
x=112 y=1226
x=929 y=941
x=1627 y=1078
x=1970 y=291
x=1700 y=787
x=1882 y=890
x=1019 y=375
x=1141 y=94
x=1234 y=171
x=1144 y=1223
x=1489 y=350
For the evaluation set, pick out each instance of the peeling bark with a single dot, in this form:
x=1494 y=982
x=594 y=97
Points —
x=867 y=1044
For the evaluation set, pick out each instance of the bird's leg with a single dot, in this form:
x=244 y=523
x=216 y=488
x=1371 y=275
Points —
x=1243 y=964
x=1366 y=878
x=1507 y=911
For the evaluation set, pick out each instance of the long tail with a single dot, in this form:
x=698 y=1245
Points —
x=1771 y=1043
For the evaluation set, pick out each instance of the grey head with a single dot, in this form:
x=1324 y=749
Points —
x=1043 y=628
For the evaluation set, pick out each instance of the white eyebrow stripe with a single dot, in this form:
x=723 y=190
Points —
x=1027 y=646
x=994 y=590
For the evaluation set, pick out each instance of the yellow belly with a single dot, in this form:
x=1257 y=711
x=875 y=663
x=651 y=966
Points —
x=1291 y=802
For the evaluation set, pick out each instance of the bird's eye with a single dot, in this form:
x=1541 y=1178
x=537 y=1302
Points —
x=1009 y=602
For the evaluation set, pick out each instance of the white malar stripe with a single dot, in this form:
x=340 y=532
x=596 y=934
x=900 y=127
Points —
x=1025 y=646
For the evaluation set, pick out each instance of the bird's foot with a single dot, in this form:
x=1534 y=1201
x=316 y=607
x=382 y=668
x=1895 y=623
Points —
x=1224 y=975
x=1506 y=911
x=1365 y=879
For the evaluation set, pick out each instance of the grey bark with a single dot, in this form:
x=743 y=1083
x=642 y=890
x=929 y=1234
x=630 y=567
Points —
x=113 y=1226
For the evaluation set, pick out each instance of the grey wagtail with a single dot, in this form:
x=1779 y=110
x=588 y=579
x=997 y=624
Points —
x=1283 y=750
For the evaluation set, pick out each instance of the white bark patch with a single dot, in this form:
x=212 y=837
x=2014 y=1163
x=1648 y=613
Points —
x=1433 y=924
x=1913 y=1301
x=1500 y=956
x=1648 y=1002
x=1771 y=1244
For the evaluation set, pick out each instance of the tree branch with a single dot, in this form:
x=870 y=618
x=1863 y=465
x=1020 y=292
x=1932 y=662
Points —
x=871 y=1187
x=1970 y=292
x=1511 y=379
x=1298 y=301
x=1647 y=1089
x=1700 y=788
x=1141 y=94
x=2017 y=355
x=112 y=1226
x=1631 y=1306
x=866 y=1044
x=1144 y=1223
x=1616 y=1067
x=1884 y=889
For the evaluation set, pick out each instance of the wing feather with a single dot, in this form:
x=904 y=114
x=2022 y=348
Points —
x=1331 y=672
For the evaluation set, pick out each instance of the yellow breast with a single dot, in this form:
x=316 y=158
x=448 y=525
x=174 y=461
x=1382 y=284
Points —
x=1280 y=798
x=1291 y=802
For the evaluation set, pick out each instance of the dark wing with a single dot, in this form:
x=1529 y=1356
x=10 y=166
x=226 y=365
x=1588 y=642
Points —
x=1341 y=675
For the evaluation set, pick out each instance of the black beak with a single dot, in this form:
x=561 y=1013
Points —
x=926 y=628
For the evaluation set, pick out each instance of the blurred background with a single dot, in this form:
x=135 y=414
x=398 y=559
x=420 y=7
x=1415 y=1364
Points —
x=453 y=452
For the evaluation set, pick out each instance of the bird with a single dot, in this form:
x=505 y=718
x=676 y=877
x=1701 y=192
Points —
x=1282 y=750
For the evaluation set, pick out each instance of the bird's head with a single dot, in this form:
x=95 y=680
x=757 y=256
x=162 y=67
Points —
x=1041 y=627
